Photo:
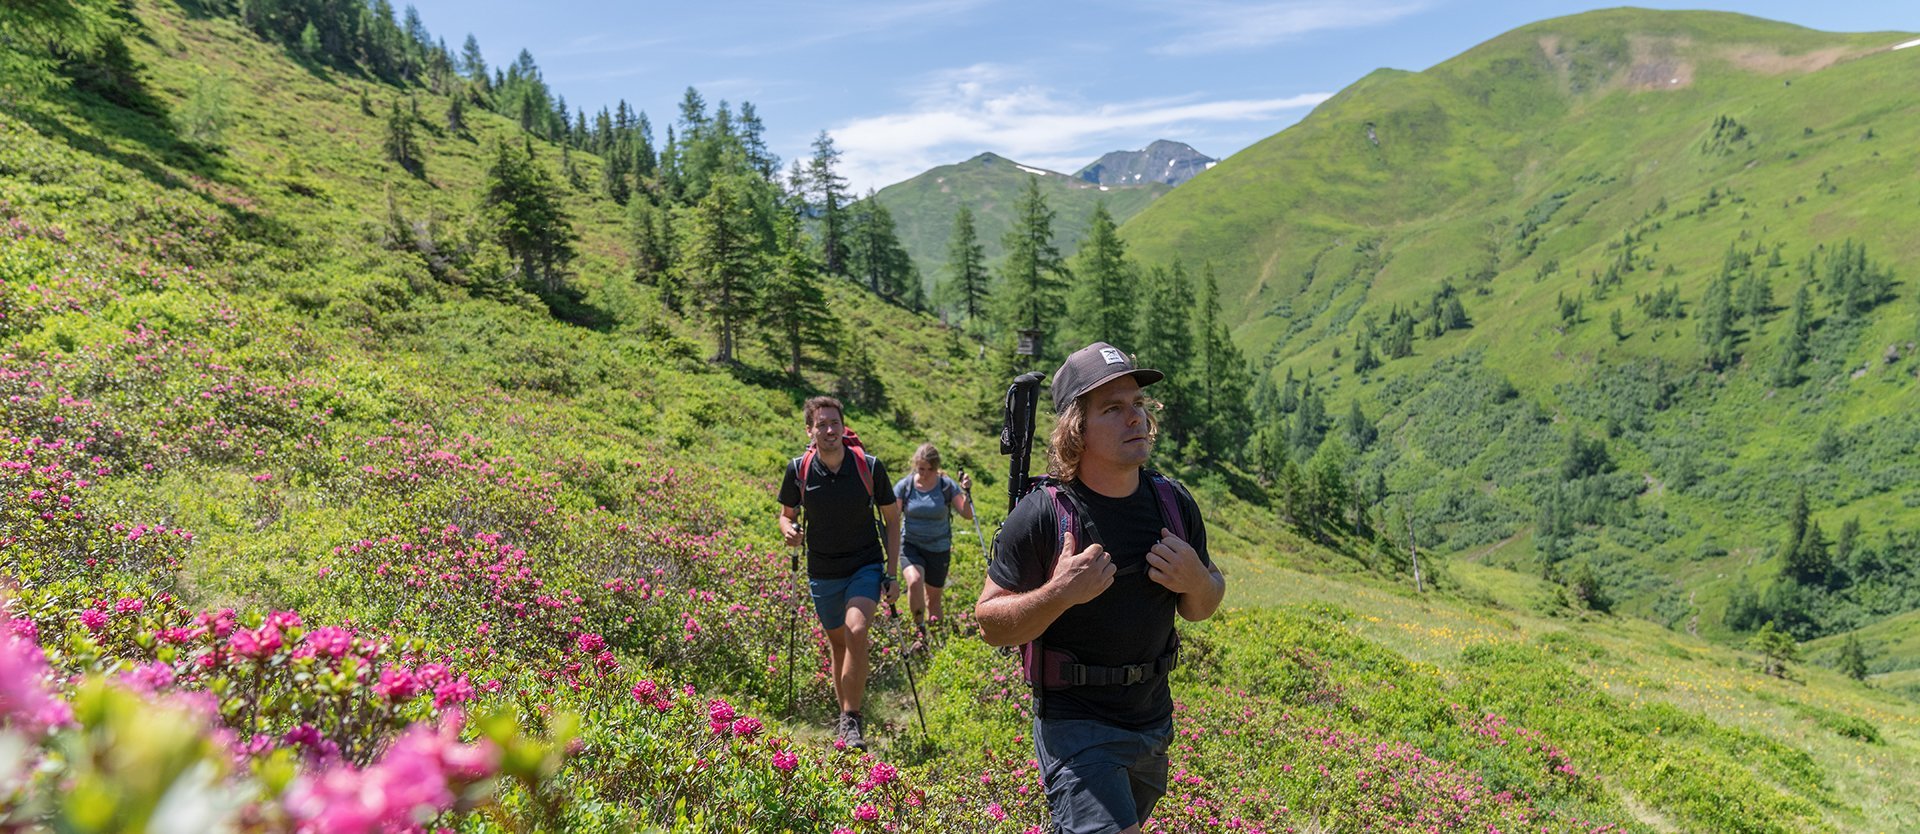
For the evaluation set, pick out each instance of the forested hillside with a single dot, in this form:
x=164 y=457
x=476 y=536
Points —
x=384 y=450
x=1625 y=300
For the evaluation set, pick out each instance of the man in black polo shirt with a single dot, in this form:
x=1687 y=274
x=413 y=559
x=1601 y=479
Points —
x=848 y=565
x=1109 y=603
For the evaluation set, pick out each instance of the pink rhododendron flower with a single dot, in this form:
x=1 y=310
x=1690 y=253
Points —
x=24 y=697
x=257 y=644
x=148 y=678
x=786 y=760
x=329 y=641
x=397 y=683
x=94 y=619
x=591 y=643
x=452 y=693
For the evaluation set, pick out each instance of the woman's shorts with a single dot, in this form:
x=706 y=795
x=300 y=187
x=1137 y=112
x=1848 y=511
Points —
x=932 y=563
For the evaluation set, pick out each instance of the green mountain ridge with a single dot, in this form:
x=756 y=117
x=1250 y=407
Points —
x=924 y=207
x=1558 y=176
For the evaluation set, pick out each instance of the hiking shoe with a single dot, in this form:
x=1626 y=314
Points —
x=849 y=731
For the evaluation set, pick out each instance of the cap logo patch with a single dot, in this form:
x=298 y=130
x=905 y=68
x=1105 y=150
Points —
x=1113 y=356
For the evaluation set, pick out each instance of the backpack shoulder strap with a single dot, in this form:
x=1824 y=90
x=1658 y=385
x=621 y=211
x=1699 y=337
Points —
x=864 y=463
x=1169 y=501
x=805 y=464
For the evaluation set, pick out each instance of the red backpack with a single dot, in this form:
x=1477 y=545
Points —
x=861 y=461
x=1058 y=669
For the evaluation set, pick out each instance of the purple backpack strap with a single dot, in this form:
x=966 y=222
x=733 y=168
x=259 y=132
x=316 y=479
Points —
x=1169 y=505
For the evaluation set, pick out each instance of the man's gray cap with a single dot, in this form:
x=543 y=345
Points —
x=1093 y=366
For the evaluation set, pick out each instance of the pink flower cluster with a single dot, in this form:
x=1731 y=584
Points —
x=26 y=701
x=421 y=776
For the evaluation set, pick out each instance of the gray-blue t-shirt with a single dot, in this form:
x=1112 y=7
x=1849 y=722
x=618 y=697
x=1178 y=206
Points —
x=927 y=513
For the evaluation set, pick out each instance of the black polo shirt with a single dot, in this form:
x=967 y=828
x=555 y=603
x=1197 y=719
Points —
x=840 y=516
x=1131 y=622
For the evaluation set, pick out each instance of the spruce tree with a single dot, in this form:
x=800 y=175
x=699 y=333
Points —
x=720 y=261
x=966 y=280
x=457 y=115
x=1100 y=306
x=875 y=253
x=521 y=208
x=652 y=248
x=400 y=145
x=1853 y=659
x=1033 y=278
x=1222 y=379
x=795 y=315
x=1716 y=323
x=829 y=191
x=1166 y=344
x=1793 y=344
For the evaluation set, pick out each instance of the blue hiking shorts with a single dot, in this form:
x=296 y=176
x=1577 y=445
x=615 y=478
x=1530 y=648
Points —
x=832 y=597
x=1099 y=778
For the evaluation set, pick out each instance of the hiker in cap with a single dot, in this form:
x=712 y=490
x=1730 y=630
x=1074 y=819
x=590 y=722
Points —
x=930 y=499
x=1088 y=573
x=849 y=563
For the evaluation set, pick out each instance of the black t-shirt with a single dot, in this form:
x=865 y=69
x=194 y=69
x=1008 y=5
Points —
x=839 y=515
x=1131 y=622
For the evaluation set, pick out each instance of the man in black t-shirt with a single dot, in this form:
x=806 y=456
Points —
x=849 y=565
x=1109 y=603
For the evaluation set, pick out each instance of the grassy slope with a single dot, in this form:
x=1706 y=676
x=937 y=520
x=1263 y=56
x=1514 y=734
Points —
x=1316 y=228
x=924 y=207
x=315 y=298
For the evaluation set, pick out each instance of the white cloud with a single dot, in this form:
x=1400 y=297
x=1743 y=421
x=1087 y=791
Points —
x=1221 y=27
x=964 y=112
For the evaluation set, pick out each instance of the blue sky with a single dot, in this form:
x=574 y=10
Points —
x=904 y=86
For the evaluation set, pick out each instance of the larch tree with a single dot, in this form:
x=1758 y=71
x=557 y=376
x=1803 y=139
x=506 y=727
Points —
x=1101 y=304
x=1034 y=276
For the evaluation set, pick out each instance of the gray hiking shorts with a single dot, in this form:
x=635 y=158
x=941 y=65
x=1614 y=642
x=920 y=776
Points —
x=1099 y=778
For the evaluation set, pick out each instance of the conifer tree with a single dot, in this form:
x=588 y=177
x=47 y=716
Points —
x=1101 y=305
x=796 y=318
x=1810 y=562
x=1793 y=347
x=472 y=63
x=457 y=115
x=652 y=243
x=720 y=261
x=1853 y=659
x=1033 y=278
x=1222 y=379
x=828 y=189
x=400 y=145
x=1166 y=343
x=521 y=207
x=753 y=138
x=1777 y=648
x=965 y=287
x=1716 y=323
x=875 y=253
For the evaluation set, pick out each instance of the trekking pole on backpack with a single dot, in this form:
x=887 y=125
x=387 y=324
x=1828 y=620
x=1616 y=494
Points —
x=906 y=659
x=1016 y=440
x=1016 y=432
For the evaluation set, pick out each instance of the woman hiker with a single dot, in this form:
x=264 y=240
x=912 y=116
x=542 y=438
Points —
x=930 y=499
